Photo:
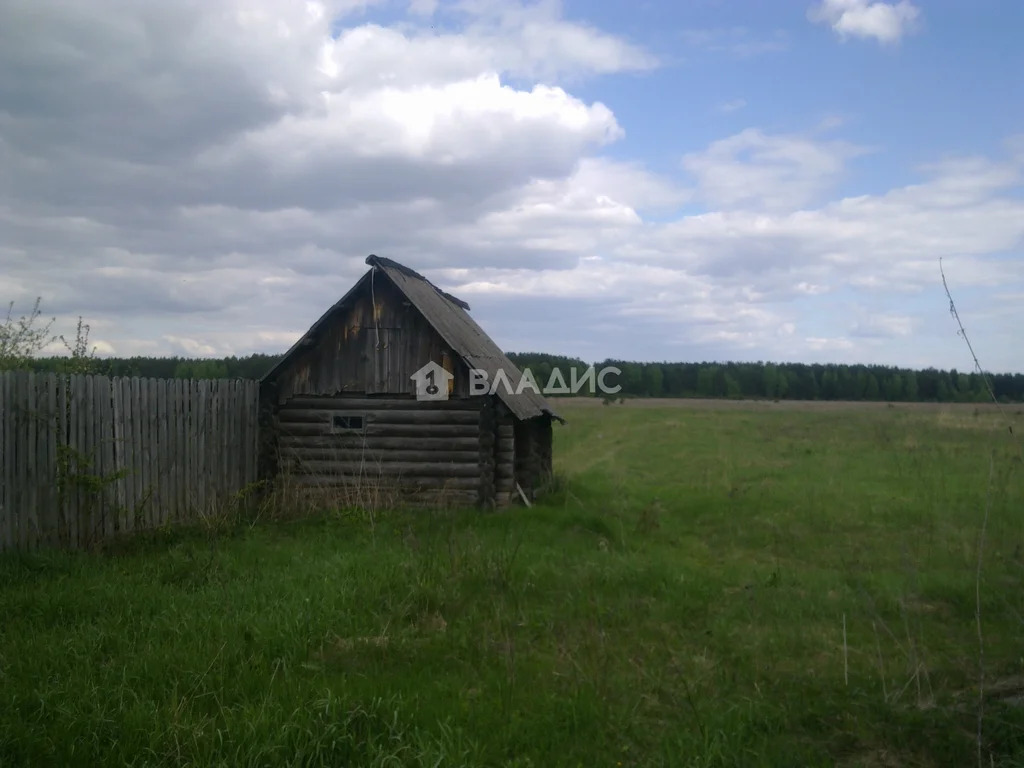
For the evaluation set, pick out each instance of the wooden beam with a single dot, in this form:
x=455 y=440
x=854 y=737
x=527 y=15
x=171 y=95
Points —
x=395 y=483
x=382 y=403
x=388 y=469
x=303 y=453
x=373 y=443
x=383 y=430
x=324 y=416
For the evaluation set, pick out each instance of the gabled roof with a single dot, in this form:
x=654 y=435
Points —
x=450 y=318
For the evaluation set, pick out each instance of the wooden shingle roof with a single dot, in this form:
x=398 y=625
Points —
x=448 y=316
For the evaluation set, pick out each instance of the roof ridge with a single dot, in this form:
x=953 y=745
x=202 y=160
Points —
x=382 y=261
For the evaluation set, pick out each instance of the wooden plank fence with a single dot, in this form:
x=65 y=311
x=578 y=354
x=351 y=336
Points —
x=84 y=458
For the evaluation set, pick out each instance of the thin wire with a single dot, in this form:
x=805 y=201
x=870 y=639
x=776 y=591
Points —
x=963 y=334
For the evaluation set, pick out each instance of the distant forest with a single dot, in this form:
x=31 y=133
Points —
x=781 y=381
x=790 y=381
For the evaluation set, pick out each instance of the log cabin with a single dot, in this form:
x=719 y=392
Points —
x=376 y=401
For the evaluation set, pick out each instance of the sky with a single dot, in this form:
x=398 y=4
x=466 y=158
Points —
x=647 y=180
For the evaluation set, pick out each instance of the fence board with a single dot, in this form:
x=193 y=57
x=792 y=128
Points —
x=7 y=463
x=231 y=413
x=201 y=465
x=109 y=464
x=17 y=484
x=18 y=441
x=73 y=439
x=190 y=485
x=156 y=453
x=87 y=530
x=33 y=418
x=138 y=482
x=47 y=458
x=160 y=454
x=151 y=491
x=213 y=440
x=165 y=449
x=178 y=430
x=117 y=445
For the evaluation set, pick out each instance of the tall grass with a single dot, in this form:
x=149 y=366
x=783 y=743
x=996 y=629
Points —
x=678 y=599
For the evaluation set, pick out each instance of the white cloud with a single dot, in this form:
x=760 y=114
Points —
x=208 y=177
x=886 y=325
x=735 y=41
x=759 y=170
x=885 y=22
x=732 y=106
x=423 y=7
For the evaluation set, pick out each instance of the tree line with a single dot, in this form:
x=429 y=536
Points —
x=777 y=381
x=23 y=338
x=791 y=381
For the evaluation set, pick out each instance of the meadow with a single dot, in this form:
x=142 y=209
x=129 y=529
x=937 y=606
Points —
x=706 y=584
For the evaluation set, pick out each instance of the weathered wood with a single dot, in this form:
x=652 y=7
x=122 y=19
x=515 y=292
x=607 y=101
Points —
x=97 y=466
x=303 y=453
x=128 y=483
x=300 y=402
x=66 y=439
x=17 y=460
x=173 y=453
x=325 y=416
x=385 y=430
x=394 y=483
x=487 y=427
x=202 y=422
x=6 y=463
x=50 y=533
x=389 y=469
x=159 y=459
x=504 y=472
x=59 y=435
x=252 y=437
x=140 y=511
x=77 y=454
x=117 y=458
x=345 y=442
x=189 y=485
x=94 y=464
x=181 y=449
x=104 y=385
x=32 y=467
x=213 y=446
x=150 y=442
x=149 y=482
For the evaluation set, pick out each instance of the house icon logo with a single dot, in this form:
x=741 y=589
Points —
x=432 y=382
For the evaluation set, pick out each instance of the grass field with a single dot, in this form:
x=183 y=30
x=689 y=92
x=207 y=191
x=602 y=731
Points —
x=706 y=585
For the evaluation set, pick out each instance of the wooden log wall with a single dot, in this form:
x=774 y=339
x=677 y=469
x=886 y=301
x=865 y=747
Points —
x=431 y=452
x=84 y=458
x=505 y=460
x=488 y=453
x=533 y=448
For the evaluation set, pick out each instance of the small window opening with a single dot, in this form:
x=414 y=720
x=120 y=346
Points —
x=348 y=422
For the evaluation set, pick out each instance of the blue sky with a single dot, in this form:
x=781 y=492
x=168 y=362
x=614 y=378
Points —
x=659 y=181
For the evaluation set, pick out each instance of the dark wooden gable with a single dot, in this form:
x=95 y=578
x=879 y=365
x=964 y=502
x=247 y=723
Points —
x=357 y=350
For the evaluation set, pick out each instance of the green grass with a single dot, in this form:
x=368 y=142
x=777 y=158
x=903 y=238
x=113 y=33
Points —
x=678 y=599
